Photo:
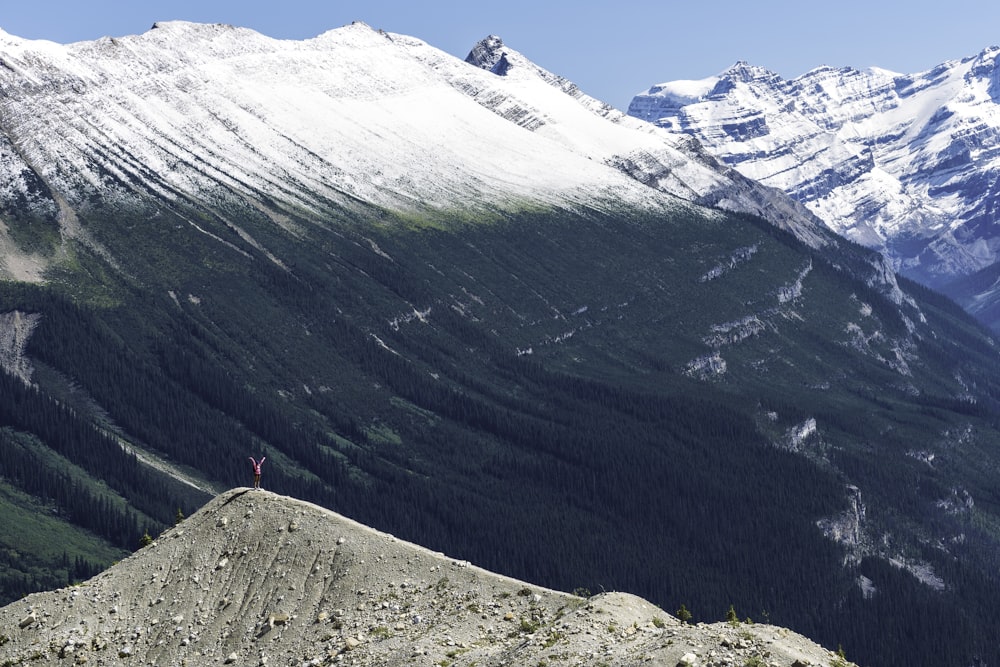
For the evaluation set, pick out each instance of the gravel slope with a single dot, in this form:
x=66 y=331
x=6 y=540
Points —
x=254 y=578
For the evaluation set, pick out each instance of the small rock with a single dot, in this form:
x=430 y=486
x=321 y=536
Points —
x=277 y=619
x=231 y=658
x=28 y=620
x=688 y=660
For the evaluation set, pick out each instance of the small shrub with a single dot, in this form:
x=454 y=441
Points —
x=553 y=638
x=658 y=622
x=683 y=614
x=841 y=659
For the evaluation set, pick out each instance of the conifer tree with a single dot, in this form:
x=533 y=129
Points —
x=731 y=616
x=683 y=614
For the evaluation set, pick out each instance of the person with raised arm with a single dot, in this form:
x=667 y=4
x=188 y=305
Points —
x=256 y=470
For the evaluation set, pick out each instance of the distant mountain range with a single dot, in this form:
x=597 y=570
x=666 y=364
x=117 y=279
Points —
x=469 y=305
x=904 y=163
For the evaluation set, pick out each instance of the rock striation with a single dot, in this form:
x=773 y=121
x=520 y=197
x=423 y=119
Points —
x=254 y=578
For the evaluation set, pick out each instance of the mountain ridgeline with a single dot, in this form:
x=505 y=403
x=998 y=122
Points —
x=580 y=379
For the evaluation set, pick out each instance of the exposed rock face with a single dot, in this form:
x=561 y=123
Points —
x=848 y=528
x=15 y=330
x=259 y=579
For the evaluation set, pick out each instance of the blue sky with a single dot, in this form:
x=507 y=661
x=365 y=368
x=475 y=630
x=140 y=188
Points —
x=611 y=49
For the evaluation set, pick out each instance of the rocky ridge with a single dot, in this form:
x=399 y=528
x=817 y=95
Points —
x=254 y=578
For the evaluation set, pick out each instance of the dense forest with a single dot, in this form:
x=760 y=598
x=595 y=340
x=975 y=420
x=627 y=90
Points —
x=518 y=396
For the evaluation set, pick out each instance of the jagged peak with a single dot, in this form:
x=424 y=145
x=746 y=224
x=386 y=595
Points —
x=744 y=72
x=986 y=67
x=987 y=57
x=487 y=52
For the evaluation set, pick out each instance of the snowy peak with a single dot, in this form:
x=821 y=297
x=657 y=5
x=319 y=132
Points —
x=986 y=68
x=906 y=164
x=744 y=72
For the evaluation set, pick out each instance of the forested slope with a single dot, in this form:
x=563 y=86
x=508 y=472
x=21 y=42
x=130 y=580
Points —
x=579 y=399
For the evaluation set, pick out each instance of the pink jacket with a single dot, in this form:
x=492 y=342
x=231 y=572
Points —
x=257 y=464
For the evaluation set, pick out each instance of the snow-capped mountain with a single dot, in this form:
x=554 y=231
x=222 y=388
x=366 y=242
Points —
x=906 y=163
x=355 y=117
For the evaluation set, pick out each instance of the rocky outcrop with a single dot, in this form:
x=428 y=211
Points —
x=254 y=578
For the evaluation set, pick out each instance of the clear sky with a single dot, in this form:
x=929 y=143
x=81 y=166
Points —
x=612 y=49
